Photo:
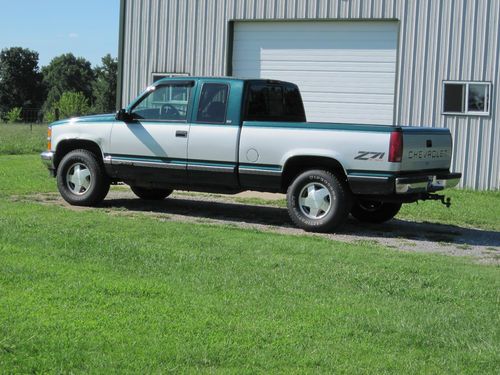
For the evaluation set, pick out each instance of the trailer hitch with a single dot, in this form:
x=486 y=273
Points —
x=436 y=197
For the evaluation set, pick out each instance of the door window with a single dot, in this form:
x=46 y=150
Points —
x=164 y=103
x=213 y=103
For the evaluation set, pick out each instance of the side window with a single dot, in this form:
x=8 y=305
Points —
x=271 y=102
x=213 y=103
x=466 y=98
x=167 y=102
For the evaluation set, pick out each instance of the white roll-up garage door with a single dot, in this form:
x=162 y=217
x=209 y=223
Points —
x=346 y=70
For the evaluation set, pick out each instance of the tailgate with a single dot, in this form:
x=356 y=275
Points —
x=426 y=149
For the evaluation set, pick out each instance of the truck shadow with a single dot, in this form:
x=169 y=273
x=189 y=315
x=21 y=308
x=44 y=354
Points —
x=277 y=218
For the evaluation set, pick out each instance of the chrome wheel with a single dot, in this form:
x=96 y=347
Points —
x=315 y=200
x=78 y=179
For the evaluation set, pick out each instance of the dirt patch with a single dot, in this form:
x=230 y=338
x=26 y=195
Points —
x=402 y=235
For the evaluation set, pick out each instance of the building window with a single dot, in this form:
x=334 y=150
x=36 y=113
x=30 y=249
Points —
x=466 y=98
x=158 y=76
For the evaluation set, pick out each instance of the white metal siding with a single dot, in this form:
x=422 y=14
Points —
x=346 y=71
x=438 y=40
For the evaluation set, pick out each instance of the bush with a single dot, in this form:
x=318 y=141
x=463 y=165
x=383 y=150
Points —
x=71 y=104
x=14 y=115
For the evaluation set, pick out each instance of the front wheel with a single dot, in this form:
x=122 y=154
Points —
x=318 y=201
x=151 y=194
x=81 y=179
x=374 y=212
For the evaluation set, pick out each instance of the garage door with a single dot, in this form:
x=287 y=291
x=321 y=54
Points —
x=346 y=70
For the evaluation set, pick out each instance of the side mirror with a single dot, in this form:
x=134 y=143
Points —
x=123 y=115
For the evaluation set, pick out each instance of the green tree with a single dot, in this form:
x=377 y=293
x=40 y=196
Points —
x=20 y=79
x=70 y=104
x=14 y=115
x=67 y=73
x=105 y=85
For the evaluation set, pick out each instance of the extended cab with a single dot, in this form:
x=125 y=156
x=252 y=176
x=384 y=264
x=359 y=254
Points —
x=228 y=135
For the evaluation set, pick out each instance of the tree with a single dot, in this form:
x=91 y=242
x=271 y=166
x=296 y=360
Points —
x=66 y=73
x=20 y=79
x=69 y=105
x=105 y=85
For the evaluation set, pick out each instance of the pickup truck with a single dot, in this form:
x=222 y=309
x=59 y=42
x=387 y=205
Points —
x=228 y=135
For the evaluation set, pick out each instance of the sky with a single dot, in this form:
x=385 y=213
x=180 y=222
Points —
x=87 y=28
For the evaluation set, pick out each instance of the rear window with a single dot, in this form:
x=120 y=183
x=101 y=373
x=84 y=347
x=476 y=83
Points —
x=274 y=102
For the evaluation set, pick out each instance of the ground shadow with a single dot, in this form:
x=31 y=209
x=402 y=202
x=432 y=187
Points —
x=278 y=217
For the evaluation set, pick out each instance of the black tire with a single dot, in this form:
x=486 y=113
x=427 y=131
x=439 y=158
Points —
x=88 y=163
x=374 y=212
x=151 y=194
x=339 y=199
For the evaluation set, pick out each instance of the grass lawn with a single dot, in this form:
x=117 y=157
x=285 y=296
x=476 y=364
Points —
x=16 y=139
x=86 y=291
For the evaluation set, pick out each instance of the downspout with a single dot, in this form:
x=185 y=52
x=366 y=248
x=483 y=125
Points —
x=121 y=48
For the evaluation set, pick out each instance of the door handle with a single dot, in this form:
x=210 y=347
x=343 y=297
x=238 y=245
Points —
x=181 y=133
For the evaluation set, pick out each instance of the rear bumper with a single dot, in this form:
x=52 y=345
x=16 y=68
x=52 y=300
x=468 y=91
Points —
x=426 y=184
x=400 y=185
x=48 y=160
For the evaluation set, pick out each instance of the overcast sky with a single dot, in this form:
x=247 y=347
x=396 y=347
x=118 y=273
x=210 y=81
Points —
x=87 y=28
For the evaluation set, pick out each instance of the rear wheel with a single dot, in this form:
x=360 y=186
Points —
x=374 y=212
x=151 y=194
x=81 y=179
x=318 y=201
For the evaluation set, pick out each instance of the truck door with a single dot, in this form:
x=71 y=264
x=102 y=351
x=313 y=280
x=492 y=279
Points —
x=152 y=146
x=214 y=136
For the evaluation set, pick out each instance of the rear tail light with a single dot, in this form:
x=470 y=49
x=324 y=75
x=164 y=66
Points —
x=49 y=139
x=396 y=147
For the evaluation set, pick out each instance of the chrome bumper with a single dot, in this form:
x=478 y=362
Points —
x=422 y=184
x=48 y=160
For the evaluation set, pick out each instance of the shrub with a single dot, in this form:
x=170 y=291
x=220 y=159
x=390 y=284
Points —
x=71 y=104
x=14 y=115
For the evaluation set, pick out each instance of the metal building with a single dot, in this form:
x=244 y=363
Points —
x=404 y=62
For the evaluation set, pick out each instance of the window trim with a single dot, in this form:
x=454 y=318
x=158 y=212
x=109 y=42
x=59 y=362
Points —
x=153 y=88
x=465 y=98
x=195 y=112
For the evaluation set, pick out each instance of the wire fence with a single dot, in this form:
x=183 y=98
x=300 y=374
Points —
x=27 y=116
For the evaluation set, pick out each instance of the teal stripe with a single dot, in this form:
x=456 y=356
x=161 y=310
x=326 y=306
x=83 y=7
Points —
x=369 y=173
x=211 y=164
x=208 y=163
x=323 y=126
x=260 y=166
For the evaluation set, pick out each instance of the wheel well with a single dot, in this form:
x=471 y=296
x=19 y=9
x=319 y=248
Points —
x=65 y=147
x=298 y=164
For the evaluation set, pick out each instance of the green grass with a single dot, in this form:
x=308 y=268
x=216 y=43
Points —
x=479 y=209
x=16 y=139
x=86 y=291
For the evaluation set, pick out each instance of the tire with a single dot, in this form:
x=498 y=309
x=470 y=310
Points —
x=323 y=211
x=374 y=212
x=151 y=194
x=81 y=179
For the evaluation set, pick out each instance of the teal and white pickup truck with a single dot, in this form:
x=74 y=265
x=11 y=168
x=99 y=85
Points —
x=228 y=135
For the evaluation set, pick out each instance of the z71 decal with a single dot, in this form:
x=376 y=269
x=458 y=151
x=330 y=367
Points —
x=370 y=156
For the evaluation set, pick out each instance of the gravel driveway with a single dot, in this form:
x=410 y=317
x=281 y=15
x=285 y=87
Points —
x=400 y=235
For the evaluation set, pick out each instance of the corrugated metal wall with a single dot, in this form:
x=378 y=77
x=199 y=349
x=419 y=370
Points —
x=438 y=40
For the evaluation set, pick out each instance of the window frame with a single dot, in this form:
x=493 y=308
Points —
x=150 y=91
x=196 y=110
x=465 y=98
